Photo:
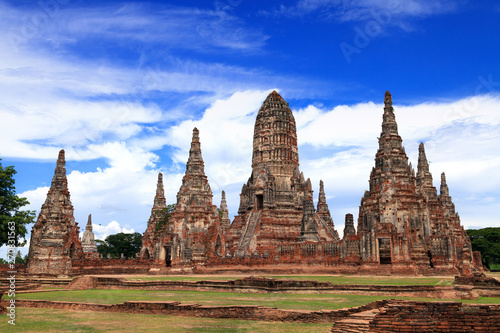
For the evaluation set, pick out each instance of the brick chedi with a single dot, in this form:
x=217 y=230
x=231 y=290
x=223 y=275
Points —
x=226 y=222
x=276 y=195
x=193 y=232
x=402 y=221
x=55 y=239
x=148 y=238
x=88 y=240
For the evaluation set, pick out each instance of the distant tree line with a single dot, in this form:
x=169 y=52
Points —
x=487 y=241
x=118 y=244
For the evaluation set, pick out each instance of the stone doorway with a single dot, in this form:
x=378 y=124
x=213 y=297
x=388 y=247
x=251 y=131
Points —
x=218 y=245
x=260 y=201
x=384 y=251
x=146 y=255
x=168 y=256
x=429 y=254
x=72 y=251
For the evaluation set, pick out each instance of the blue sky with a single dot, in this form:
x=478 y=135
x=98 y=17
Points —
x=120 y=85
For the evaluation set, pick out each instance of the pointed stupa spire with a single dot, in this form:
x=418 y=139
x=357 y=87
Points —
x=195 y=165
x=58 y=197
x=444 y=196
x=322 y=205
x=225 y=212
x=424 y=177
x=323 y=210
x=423 y=164
x=322 y=197
x=160 y=201
x=89 y=223
x=444 y=190
x=59 y=181
x=389 y=125
x=195 y=190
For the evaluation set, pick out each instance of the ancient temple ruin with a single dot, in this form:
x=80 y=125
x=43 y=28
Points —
x=55 y=239
x=404 y=226
x=402 y=220
x=276 y=207
x=193 y=231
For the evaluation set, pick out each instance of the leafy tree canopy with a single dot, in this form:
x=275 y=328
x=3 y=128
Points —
x=486 y=241
x=10 y=211
x=115 y=245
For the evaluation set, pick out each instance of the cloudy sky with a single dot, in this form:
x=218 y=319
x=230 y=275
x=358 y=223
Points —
x=120 y=86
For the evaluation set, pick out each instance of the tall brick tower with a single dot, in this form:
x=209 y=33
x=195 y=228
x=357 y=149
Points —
x=54 y=237
x=272 y=201
x=402 y=221
x=159 y=203
x=193 y=232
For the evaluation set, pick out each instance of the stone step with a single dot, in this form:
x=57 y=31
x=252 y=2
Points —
x=355 y=323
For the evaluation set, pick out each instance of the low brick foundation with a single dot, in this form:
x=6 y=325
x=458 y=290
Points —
x=264 y=285
x=444 y=317
x=479 y=280
x=245 y=312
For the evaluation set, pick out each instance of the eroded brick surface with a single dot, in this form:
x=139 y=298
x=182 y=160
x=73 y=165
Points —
x=276 y=210
x=195 y=230
x=55 y=236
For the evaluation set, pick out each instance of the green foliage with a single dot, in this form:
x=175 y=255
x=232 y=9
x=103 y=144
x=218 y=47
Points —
x=486 y=241
x=163 y=217
x=19 y=259
x=338 y=280
x=10 y=205
x=299 y=301
x=115 y=245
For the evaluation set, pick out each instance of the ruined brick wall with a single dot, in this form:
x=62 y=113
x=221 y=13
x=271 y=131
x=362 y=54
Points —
x=437 y=317
x=110 y=266
x=242 y=312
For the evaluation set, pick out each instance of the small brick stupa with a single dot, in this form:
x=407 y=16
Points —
x=88 y=241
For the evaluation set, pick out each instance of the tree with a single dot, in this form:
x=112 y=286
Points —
x=115 y=245
x=13 y=221
x=19 y=259
x=486 y=241
x=163 y=217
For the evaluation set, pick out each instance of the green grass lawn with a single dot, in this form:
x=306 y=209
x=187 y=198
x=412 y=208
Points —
x=282 y=301
x=53 y=320
x=344 y=280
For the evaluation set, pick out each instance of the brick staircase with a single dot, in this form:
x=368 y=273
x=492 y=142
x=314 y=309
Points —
x=82 y=283
x=355 y=323
x=248 y=233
